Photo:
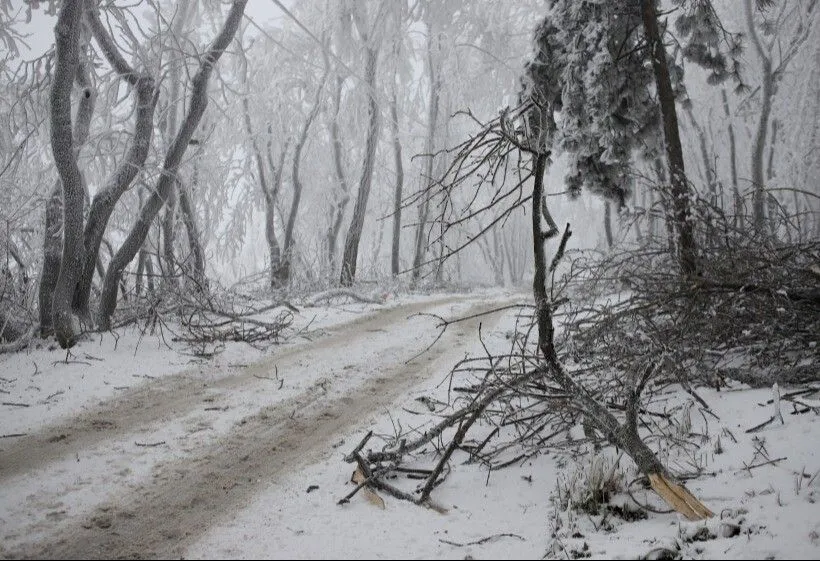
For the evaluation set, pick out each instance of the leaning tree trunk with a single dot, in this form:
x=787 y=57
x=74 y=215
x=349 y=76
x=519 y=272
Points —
x=767 y=90
x=67 y=35
x=198 y=103
x=106 y=199
x=623 y=435
x=354 y=233
x=286 y=263
x=681 y=203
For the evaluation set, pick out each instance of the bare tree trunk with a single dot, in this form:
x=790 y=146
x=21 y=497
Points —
x=686 y=246
x=67 y=36
x=434 y=74
x=286 y=263
x=52 y=250
x=708 y=169
x=199 y=281
x=120 y=181
x=342 y=196
x=608 y=225
x=269 y=192
x=170 y=213
x=773 y=205
x=52 y=242
x=737 y=220
x=767 y=90
x=623 y=435
x=397 y=193
x=354 y=233
x=199 y=101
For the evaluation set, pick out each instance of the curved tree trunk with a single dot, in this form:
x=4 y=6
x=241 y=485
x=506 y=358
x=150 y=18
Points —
x=354 y=233
x=767 y=90
x=67 y=35
x=52 y=242
x=286 y=263
x=199 y=101
x=106 y=199
x=681 y=203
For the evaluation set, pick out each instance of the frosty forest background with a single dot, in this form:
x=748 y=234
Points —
x=624 y=196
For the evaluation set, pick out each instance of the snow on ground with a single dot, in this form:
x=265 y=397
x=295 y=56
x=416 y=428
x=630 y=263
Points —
x=130 y=431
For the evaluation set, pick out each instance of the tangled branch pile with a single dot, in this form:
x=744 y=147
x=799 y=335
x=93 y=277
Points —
x=631 y=331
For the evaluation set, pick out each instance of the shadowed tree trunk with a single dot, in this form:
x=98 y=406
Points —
x=198 y=103
x=608 y=225
x=354 y=233
x=681 y=203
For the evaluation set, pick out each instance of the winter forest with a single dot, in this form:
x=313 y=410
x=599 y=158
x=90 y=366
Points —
x=294 y=279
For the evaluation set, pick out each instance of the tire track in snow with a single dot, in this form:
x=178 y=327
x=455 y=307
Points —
x=174 y=395
x=160 y=518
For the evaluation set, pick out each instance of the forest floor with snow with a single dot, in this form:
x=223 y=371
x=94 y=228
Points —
x=133 y=446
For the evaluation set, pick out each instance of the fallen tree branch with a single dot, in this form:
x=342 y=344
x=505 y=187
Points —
x=342 y=293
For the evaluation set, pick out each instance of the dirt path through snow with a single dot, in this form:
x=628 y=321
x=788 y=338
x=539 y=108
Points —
x=160 y=515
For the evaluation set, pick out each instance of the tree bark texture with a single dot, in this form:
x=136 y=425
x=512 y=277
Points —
x=67 y=35
x=354 y=233
x=197 y=106
x=681 y=203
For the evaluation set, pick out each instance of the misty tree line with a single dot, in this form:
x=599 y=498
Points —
x=147 y=145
